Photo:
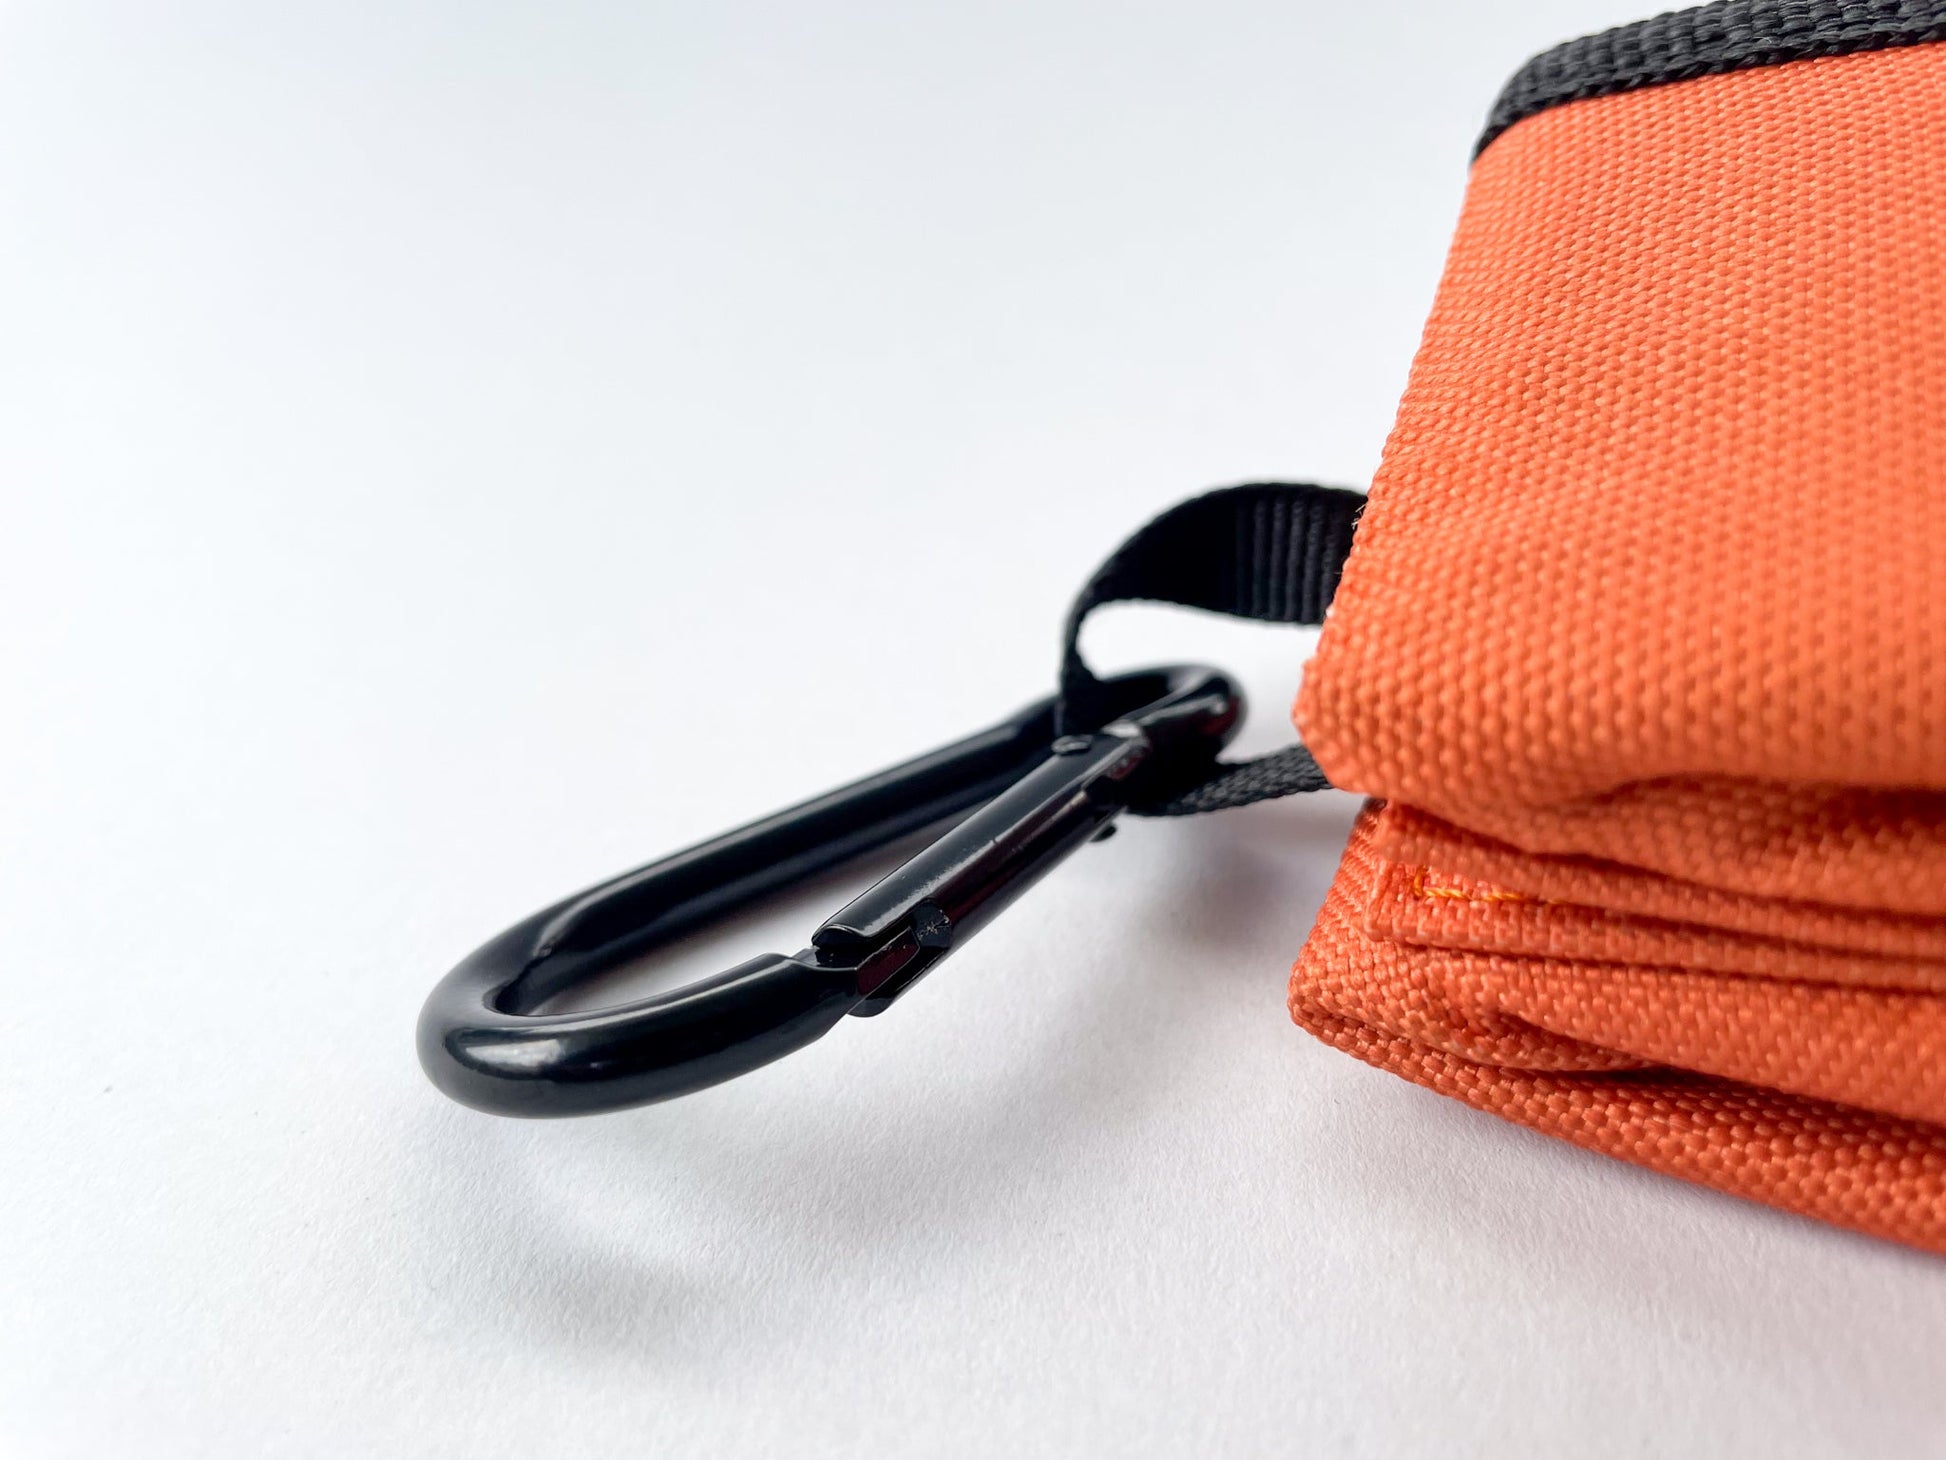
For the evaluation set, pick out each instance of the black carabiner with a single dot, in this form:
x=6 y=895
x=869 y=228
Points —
x=482 y=1044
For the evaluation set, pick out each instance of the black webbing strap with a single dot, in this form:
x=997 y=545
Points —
x=1269 y=550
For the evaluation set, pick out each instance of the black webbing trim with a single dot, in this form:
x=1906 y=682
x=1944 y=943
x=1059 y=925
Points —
x=1286 y=772
x=1272 y=551
x=1731 y=35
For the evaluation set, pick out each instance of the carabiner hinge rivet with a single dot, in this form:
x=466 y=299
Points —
x=931 y=928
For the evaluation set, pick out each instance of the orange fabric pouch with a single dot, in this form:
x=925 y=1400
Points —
x=1639 y=648
x=1635 y=647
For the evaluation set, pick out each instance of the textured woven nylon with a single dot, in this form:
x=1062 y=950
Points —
x=1708 y=40
x=1650 y=1065
x=1643 y=644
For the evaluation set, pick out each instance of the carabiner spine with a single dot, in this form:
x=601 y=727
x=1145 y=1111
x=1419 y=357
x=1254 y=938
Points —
x=955 y=886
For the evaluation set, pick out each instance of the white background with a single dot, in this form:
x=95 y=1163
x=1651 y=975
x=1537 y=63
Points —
x=452 y=452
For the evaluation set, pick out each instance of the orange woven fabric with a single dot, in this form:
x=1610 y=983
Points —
x=1412 y=837
x=1419 y=903
x=1690 y=1076
x=1641 y=641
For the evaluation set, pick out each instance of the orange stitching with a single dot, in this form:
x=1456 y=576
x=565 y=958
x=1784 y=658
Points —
x=1421 y=888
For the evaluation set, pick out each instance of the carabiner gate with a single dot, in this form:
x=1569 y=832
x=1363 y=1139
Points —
x=482 y=1043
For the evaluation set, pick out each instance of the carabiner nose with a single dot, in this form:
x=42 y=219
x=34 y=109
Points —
x=483 y=1043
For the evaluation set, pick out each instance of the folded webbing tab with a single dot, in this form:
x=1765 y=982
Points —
x=1271 y=551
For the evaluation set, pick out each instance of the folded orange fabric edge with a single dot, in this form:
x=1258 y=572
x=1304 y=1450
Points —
x=1642 y=1062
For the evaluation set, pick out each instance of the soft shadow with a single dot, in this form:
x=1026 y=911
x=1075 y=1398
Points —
x=1182 y=926
x=1531 y=1223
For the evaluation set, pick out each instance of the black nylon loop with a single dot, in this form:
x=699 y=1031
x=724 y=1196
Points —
x=1271 y=551
x=1287 y=772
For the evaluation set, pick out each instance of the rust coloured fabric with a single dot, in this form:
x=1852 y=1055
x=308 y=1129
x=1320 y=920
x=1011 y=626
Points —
x=1642 y=645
